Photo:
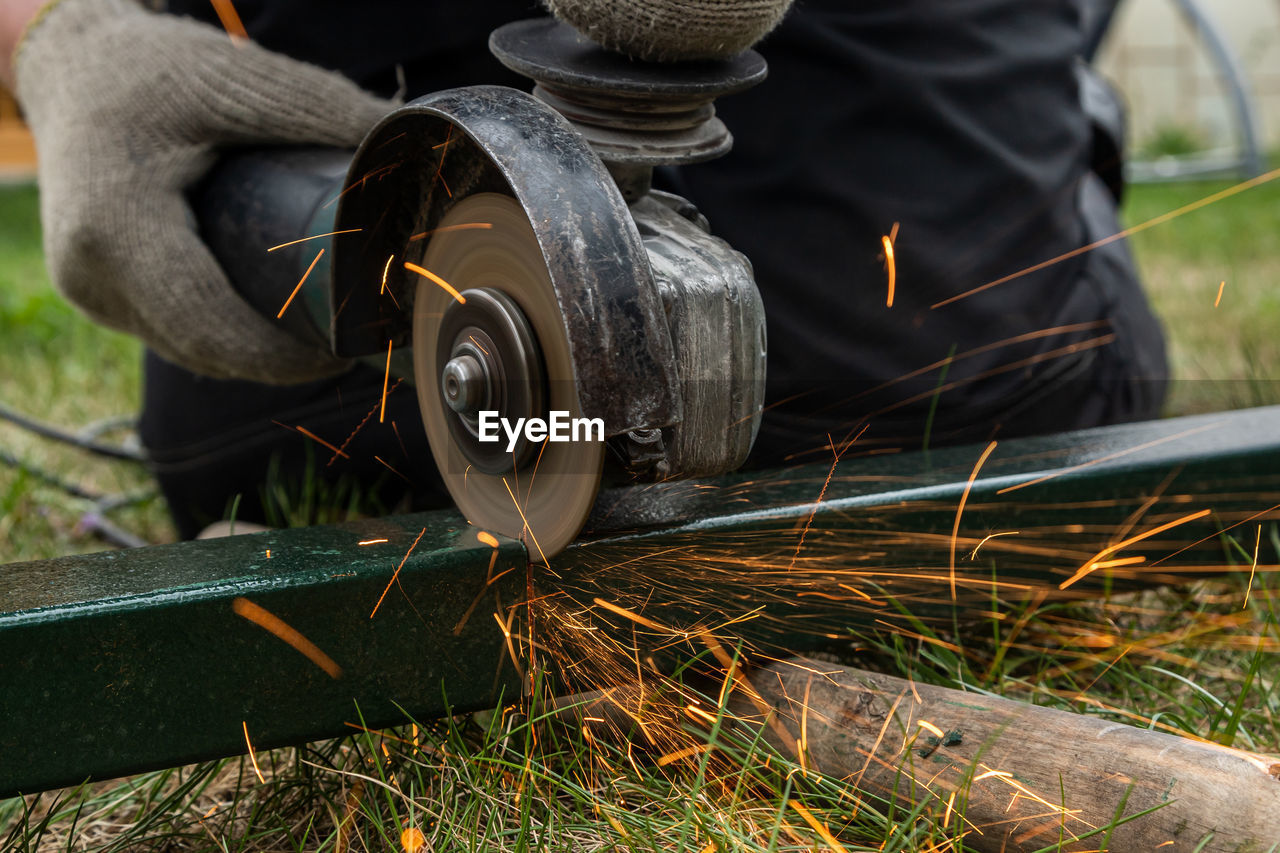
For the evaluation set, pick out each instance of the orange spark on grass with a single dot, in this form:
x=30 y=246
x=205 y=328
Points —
x=462 y=300
x=396 y=573
x=1253 y=569
x=955 y=529
x=412 y=840
x=314 y=237
x=301 y=281
x=386 y=377
x=282 y=630
x=817 y=826
x=230 y=19
x=1097 y=562
x=252 y=757
x=1218 y=300
x=1119 y=235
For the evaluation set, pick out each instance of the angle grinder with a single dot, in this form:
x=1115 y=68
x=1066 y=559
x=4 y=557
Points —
x=508 y=253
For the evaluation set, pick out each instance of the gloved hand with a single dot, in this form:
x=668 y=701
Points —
x=672 y=30
x=128 y=108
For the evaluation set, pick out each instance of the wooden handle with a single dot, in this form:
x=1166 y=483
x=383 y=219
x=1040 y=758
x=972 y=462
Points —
x=1015 y=777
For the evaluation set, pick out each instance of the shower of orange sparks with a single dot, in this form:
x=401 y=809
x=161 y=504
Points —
x=1119 y=235
x=230 y=19
x=386 y=377
x=396 y=573
x=1097 y=562
x=955 y=529
x=301 y=281
x=438 y=280
x=252 y=757
x=890 y=267
x=314 y=237
x=282 y=630
x=1218 y=300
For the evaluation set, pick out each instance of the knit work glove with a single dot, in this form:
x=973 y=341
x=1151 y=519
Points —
x=128 y=108
x=672 y=30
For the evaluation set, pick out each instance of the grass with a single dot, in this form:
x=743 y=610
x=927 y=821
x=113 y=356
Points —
x=1196 y=659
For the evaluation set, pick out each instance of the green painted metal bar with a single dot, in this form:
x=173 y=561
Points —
x=133 y=660
x=124 y=661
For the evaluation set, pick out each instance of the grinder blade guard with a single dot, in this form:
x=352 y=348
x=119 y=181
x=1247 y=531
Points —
x=571 y=286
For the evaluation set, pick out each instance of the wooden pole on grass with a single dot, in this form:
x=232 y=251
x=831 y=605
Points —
x=1011 y=776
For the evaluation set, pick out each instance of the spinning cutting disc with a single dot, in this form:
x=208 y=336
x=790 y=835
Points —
x=504 y=349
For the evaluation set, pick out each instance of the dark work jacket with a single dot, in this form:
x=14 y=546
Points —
x=957 y=121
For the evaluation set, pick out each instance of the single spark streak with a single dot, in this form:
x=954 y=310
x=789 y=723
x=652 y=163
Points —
x=506 y=633
x=822 y=493
x=230 y=19
x=386 y=378
x=462 y=300
x=487 y=538
x=387 y=465
x=444 y=229
x=636 y=617
x=673 y=757
x=1117 y=454
x=973 y=555
x=385 y=272
x=532 y=535
x=1120 y=235
x=301 y=281
x=818 y=826
x=951 y=802
x=314 y=237
x=1218 y=300
x=934 y=730
x=1091 y=565
x=372 y=542
x=273 y=624
x=396 y=573
x=1122 y=561
x=252 y=757
x=311 y=435
x=890 y=267
x=1253 y=570
x=802 y=749
x=955 y=529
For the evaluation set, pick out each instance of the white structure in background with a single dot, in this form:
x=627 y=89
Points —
x=1170 y=79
